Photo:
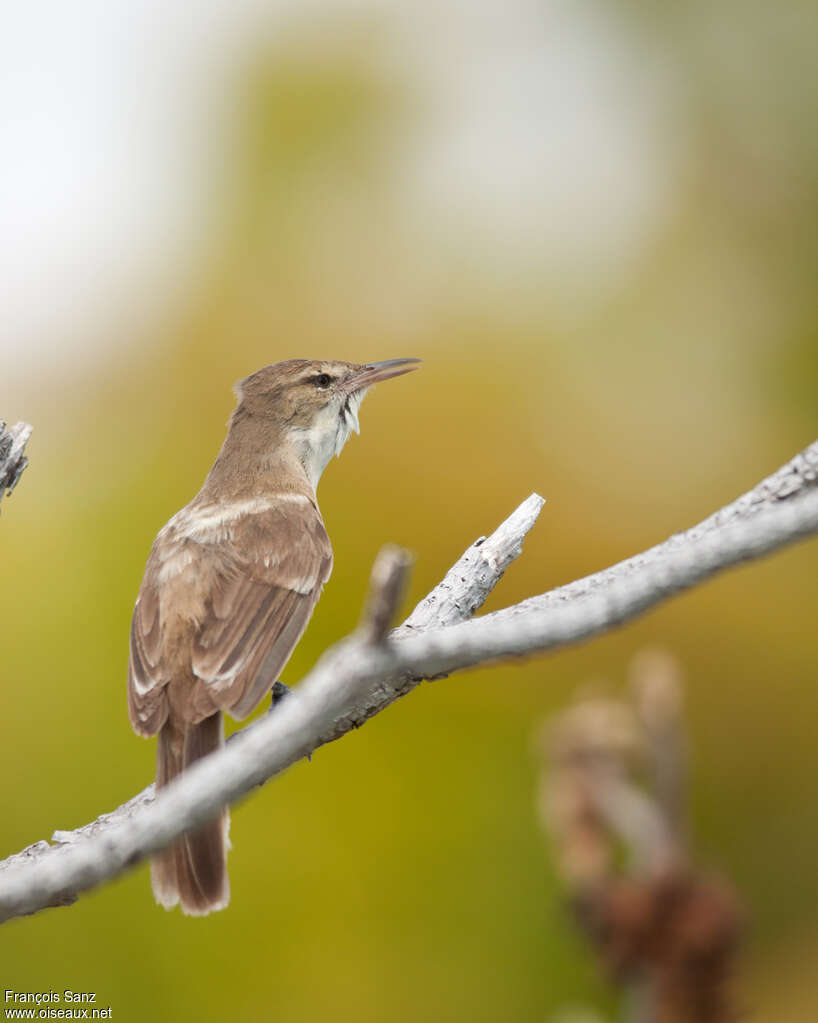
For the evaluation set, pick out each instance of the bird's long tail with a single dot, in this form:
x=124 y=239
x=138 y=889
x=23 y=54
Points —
x=193 y=871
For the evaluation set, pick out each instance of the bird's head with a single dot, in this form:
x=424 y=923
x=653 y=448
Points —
x=312 y=404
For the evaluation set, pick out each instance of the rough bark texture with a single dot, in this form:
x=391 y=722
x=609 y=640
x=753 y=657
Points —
x=13 y=441
x=798 y=477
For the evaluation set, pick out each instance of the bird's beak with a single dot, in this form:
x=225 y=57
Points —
x=374 y=372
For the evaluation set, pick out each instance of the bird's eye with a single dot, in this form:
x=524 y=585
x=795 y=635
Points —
x=322 y=381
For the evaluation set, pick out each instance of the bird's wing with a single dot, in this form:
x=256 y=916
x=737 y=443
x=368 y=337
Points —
x=245 y=592
x=149 y=670
x=276 y=564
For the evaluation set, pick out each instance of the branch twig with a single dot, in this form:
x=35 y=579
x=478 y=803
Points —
x=12 y=460
x=387 y=584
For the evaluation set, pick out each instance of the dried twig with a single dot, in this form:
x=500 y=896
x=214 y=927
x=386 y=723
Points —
x=12 y=460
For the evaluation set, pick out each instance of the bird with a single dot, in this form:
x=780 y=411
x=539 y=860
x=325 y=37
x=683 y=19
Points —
x=230 y=584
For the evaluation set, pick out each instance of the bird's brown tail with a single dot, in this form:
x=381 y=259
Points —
x=193 y=871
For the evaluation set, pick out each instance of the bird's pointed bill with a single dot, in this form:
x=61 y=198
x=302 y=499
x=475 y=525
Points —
x=374 y=372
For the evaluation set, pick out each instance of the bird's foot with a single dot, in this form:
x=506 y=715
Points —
x=279 y=691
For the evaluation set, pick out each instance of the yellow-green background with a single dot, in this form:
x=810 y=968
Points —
x=401 y=875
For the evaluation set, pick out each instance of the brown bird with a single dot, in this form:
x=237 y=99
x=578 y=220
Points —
x=230 y=584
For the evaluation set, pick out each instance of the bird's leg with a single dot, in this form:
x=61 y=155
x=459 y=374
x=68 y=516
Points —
x=278 y=693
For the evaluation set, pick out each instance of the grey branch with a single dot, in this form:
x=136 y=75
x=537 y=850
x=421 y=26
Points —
x=361 y=675
x=12 y=460
x=798 y=477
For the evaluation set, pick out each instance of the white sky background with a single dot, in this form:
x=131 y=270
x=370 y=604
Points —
x=544 y=142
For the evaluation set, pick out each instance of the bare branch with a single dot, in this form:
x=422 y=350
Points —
x=357 y=678
x=471 y=579
x=12 y=460
x=531 y=627
x=797 y=478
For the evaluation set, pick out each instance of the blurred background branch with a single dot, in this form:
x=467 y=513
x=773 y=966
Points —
x=613 y=776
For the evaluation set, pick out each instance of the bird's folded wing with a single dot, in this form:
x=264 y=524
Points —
x=252 y=593
x=148 y=671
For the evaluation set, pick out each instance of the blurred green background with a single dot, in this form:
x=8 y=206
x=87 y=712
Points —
x=597 y=224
